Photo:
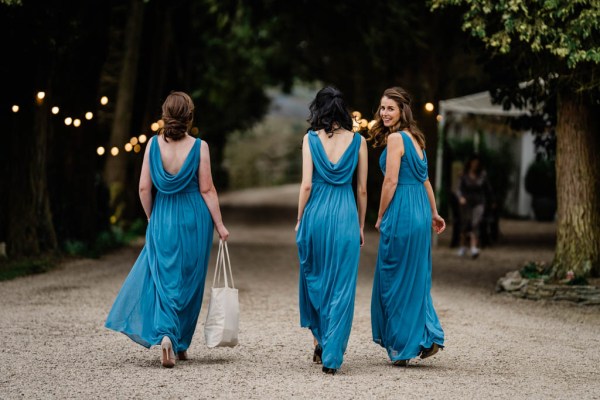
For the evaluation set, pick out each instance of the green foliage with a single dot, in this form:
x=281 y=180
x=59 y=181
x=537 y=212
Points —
x=540 y=179
x=10 y=269
x=105 y=241
x=268 y=154
x=536 y=270
x=566 y=29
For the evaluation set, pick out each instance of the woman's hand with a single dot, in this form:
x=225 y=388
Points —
x=378 y=223
x=223 y=232
x=438 y=223
x=362 y=237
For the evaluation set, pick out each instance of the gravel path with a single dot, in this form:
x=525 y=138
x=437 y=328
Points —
x=54 y=344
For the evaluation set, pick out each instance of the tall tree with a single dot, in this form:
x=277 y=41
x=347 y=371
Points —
x=554 y=45
x=116 y=167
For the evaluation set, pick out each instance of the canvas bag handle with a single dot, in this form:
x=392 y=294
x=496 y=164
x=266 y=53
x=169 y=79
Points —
x=221 y=264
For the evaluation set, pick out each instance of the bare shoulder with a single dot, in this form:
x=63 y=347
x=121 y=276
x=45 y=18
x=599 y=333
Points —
x=395 y=139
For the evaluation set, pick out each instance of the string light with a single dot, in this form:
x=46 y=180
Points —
x=104 y=100
x=133 y=141
x=160 y=123
x=439 y=118
x=154 y=127
x=142 y=138
x=76 y=122
x=429 y=107
x=128 y=147
x=41 y=95
x=371 y=124
x=356 y=115
x=68 y=121
x=363 y=123
x=137 y=148
x=89 y=115
x=100 y=150
x=15 y=108
x=55 y=110
x=114 y=151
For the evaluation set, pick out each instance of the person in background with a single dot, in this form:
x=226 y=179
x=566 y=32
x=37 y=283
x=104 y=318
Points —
x=473 y=192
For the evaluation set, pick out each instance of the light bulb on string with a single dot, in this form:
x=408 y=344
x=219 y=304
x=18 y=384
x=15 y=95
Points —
x=104 y=100
x=114 y=151
x=142 y=138
x=100 y=150
x=15 y=108
x=76 y=122
x=429 y=107
x=133 y=141
x=55 y=110
x=89 y=115
x=128 y=147
x=137 y=148
x=154 y=127
x=68 y=121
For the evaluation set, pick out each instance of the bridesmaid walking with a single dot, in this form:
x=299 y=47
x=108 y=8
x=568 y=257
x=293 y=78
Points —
x=330 y=229
x=161 y=298
x=403 y=319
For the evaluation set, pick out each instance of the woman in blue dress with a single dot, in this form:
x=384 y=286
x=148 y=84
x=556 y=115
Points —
x=161 y=297
x=330 y=228
x=403 y=319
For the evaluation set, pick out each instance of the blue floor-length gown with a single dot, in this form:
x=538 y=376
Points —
x=162 y=294
x=328 y=242
x=403 y=319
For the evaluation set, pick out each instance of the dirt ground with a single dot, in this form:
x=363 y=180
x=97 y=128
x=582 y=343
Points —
x=54 y=344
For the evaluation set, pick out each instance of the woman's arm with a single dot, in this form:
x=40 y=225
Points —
x=395 y=151
x=209 y=193
x=306 y=185
x=438 y=222
x=361 y=186
x=145 y=187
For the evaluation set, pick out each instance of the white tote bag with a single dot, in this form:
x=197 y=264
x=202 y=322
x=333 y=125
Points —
x=222 y=320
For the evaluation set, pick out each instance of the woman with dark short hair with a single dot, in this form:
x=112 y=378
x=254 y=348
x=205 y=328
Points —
x=161 y=298
x=330 y=228
x=403 y=319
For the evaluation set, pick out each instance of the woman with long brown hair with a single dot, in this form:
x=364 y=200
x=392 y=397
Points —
x=161 y=298
x=403 y=319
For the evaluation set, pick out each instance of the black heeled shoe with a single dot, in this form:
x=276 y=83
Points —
x=318 y=354
x=430 y=351
x=400 y=363
x=331 y=371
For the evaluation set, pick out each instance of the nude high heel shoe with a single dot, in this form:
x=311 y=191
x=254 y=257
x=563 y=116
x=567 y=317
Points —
x=167 y=358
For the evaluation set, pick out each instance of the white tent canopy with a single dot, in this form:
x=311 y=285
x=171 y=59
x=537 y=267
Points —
x=478 y=103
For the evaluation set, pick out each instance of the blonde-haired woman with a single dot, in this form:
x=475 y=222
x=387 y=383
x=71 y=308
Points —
x=403 y=319
x=161 y=298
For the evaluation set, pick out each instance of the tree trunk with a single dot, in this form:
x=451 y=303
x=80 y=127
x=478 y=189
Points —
x=30 y=227
x=115 y=167
x=578 y=184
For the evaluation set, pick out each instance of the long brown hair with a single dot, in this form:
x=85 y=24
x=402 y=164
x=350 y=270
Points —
x=378 y=133
x=177 y=115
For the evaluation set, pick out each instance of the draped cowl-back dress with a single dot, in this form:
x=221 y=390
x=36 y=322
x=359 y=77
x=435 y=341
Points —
x=162 y=294
x=403 y=319
x=328 y=242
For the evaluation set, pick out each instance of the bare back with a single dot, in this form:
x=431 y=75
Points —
x=336 y=145
x=174 y=153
